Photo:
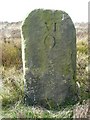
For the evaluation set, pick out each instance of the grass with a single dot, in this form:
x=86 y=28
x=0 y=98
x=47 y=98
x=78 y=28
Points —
x=11 y=54
x=22 y=111
x=82 y=47
x=82 y=69
x=13 y=84
x=12 y=99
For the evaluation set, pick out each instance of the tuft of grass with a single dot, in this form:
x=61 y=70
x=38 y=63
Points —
x=13 y=86
x=82 y=70
x=21 y=111
x=82 y=47
x=11 y=54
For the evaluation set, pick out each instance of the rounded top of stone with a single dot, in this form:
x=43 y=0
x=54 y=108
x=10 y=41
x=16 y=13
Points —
x=35 y=11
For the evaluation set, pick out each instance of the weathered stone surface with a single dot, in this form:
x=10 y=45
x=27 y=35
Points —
x=49 y=58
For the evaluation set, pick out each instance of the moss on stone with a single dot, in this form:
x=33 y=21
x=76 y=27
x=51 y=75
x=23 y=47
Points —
x=50 y=56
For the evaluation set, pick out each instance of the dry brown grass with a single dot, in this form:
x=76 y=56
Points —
x=11 y=53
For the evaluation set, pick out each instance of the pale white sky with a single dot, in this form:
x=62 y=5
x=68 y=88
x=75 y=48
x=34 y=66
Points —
x=17 y=10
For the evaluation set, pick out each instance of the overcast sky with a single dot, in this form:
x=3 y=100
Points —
x=17 y=10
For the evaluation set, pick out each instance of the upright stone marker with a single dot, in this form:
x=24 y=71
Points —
x=49 y=58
